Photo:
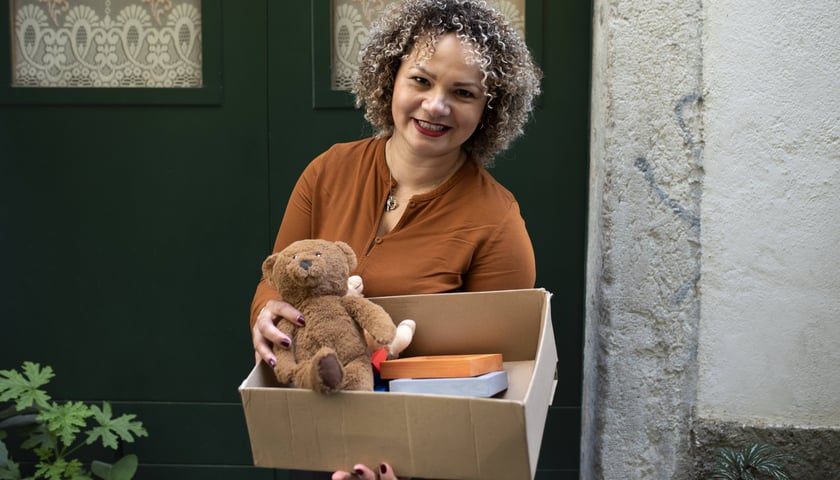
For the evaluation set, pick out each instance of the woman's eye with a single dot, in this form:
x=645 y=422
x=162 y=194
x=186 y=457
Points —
x=464 y=93
x=420 y=80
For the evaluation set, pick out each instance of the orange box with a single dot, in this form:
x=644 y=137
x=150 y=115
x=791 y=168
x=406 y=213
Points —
x=441 y=366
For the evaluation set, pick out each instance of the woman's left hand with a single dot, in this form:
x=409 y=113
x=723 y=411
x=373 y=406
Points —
x=362 y=472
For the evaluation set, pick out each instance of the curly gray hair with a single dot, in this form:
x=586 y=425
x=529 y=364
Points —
x=511 y=79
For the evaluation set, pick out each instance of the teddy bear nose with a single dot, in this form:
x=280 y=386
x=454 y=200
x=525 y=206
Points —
x=305 y=264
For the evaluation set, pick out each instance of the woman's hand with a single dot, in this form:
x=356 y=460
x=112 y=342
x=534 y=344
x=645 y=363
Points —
x=265 y=332
x=362 y=472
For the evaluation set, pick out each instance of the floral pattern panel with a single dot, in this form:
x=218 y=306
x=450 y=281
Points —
x=106 y=43
x=352 y=18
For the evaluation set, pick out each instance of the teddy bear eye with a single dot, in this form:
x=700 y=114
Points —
x=294 y=257
x=317 y=254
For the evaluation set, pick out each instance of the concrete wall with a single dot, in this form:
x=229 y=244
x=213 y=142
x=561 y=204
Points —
x=713 y=324
x=770 y=329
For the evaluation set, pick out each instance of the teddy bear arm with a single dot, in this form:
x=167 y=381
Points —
x=372 y=318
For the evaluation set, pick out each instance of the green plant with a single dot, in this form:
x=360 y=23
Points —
x=752 y=462
x=56 y=431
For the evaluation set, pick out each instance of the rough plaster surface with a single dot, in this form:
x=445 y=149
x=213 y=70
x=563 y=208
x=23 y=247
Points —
x=737 y=103
x=771 y=214
x=644 y=251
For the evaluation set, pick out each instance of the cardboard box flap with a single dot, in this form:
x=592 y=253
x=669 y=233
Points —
x=541 y=389
x=483 y=326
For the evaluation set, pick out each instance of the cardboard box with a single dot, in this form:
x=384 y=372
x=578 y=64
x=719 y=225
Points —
x=425 y=436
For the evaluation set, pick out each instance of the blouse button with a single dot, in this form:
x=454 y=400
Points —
x=412 y=203
x=378 y=240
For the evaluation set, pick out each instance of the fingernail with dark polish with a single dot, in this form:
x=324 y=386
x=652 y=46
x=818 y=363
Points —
x=272 y=362
x=383 y=469
x=285 y=343
x=301 y=320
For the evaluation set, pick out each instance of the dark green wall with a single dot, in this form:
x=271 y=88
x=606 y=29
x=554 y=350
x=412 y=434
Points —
x=132 y=235
x=131 y=240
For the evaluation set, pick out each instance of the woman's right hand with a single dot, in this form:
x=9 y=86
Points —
x=265 y=333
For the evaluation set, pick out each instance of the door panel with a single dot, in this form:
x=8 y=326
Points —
x=131 y=237
x=132 y=234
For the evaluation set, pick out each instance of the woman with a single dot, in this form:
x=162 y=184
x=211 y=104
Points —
x=448 y=84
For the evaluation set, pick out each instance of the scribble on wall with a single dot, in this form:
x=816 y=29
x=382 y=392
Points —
x=684 y=213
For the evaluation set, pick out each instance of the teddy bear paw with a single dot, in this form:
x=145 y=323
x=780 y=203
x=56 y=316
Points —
x=403 y=337
x=355 y=286
x=330 y=372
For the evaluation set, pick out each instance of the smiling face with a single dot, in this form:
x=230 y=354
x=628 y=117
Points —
x=438 y=100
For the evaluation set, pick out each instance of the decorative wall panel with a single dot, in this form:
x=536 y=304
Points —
x=107 y=43
x=352 y=18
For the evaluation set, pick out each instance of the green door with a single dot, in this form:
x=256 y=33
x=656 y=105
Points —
x=133 y=224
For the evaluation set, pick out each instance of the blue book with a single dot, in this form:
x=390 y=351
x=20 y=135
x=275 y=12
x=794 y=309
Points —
x=485 y=385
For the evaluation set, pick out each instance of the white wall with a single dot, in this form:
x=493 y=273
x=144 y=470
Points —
x=769 y=345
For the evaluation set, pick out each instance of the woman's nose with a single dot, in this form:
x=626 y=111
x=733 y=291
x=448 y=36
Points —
x=437 y=104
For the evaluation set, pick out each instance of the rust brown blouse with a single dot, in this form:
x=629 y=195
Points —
x=465 y=235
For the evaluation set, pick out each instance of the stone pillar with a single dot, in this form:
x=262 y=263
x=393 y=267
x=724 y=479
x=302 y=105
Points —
x=640 y=368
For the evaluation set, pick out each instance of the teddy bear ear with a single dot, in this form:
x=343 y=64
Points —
x=349 y=253
x=268 y=266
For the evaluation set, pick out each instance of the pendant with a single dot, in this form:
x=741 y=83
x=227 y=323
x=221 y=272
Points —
x=391 y=204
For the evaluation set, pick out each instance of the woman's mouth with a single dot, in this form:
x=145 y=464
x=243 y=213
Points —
x=430 y=129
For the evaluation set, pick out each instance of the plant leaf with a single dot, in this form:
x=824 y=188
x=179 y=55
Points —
x=25 y=389
x=66 y=420
x=754 y=459
x=10 y=471
x=112 y=429
x=124 y=468
x=101 y=469
x=4 y=453
x=726 y=464
x=59 y=469
x=39 y=439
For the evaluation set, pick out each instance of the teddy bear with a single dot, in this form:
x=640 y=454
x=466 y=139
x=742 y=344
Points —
x=330 y=353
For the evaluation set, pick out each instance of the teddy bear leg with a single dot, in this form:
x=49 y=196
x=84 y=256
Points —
x=322 y=373
x=284 y=369
x=359 y=375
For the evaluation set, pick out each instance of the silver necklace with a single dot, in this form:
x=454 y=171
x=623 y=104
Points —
x=390 y=204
